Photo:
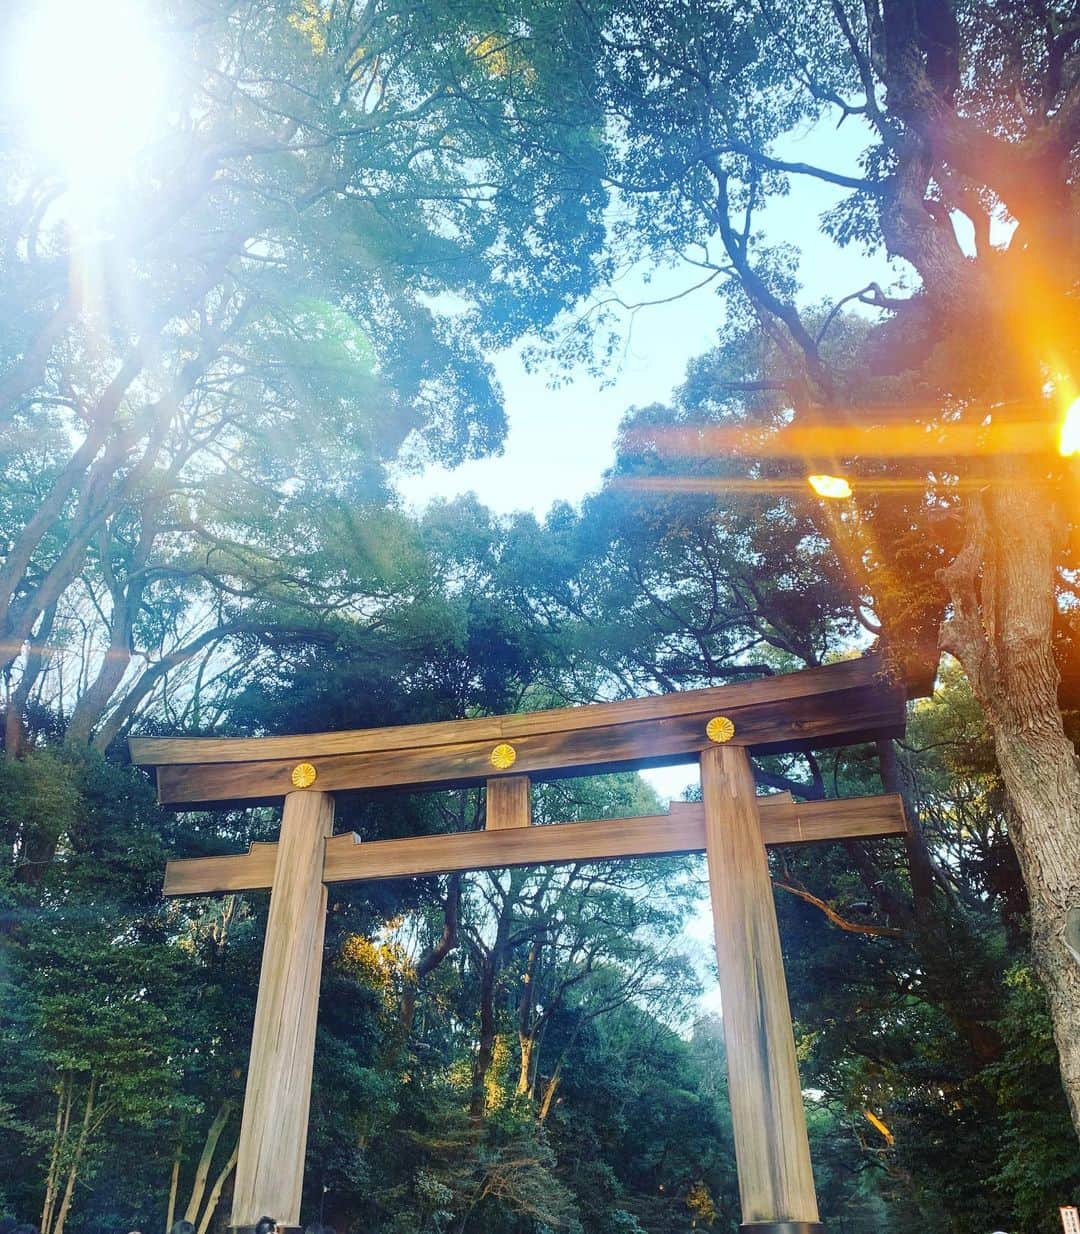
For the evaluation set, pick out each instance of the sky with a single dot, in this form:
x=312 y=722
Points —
x=560 y=441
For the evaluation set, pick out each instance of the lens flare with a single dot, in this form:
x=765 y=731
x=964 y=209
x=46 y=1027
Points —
x=835 y=487
x=88 y=82
x=1069 y=438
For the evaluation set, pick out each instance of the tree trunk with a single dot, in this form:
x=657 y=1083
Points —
x=1040 y=774
x=490 y=962
x=76 y=1160
x=485 y=1051
x=37 y=657
x=215 y=1191
x=550 y=1089
x=525 y=1072
x=526 y=1027
x=432 y=958
x=63 y=1118
x=174 y=1184
x=1003 y=591
x=202 y=1170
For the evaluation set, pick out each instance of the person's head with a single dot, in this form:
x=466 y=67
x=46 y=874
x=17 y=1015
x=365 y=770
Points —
x=265 y=1225
x=183 y=1227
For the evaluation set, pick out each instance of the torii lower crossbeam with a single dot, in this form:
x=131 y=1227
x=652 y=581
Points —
x=844 y=703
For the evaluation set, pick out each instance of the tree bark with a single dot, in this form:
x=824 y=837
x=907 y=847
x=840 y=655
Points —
x=526 y=1028
x=550 y=1089
x=1040 y=774
x=63 y=1118
x=37 y=657
x=485 y=1050
x=434 y=956
x=76 y=1159
x=215 y=1191
x=174 y=1185
x=202 y=1170
x=1003 y=592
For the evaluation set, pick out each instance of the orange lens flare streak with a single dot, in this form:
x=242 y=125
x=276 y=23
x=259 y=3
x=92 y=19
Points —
x=718 y=485
x=877 y=441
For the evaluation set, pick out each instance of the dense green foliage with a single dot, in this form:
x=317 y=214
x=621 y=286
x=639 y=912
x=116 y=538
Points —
x=618 y=1120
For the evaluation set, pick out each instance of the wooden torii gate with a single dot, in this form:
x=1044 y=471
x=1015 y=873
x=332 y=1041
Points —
x=841 y=704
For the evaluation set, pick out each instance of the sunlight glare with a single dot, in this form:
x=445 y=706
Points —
x=1069 y=439
x=89 y=82
x=835 y=487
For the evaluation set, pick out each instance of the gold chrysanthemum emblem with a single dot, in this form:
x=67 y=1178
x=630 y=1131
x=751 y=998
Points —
x=504 y=755
x=303 y=775
x=720 y=729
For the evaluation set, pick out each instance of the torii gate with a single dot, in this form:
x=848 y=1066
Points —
x=844 y=703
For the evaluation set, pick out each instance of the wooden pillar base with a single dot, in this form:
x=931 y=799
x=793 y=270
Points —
x=782 y=1227
x=250 y=1229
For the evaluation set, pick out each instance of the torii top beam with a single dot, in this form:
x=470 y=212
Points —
x=840 y=704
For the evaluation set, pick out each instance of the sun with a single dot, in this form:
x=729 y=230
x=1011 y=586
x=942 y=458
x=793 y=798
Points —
x=88 y=84
x=835 y=487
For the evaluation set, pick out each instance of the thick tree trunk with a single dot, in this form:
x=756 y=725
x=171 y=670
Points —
x=525 y=1069
x=1003 y=591
x=1040 y=774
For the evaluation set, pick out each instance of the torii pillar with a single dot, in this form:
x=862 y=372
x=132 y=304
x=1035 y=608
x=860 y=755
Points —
x=844 y=703
x=274 y=1124
x=772 y=1153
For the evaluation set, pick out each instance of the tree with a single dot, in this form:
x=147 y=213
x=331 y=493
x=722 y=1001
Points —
x=919 y=1030
x=92 y=998
x=944 y=409
x=298 y=276
x=896 y=960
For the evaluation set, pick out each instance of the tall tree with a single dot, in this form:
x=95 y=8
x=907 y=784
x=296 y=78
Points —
x=966 y=121
x=205 y=368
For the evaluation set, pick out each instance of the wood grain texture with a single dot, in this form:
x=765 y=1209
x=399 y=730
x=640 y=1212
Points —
x=681 y=831
x=836 y=717
x=776 y=1182
x=273 y=1131
x=158 y=751
x=508 y=803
